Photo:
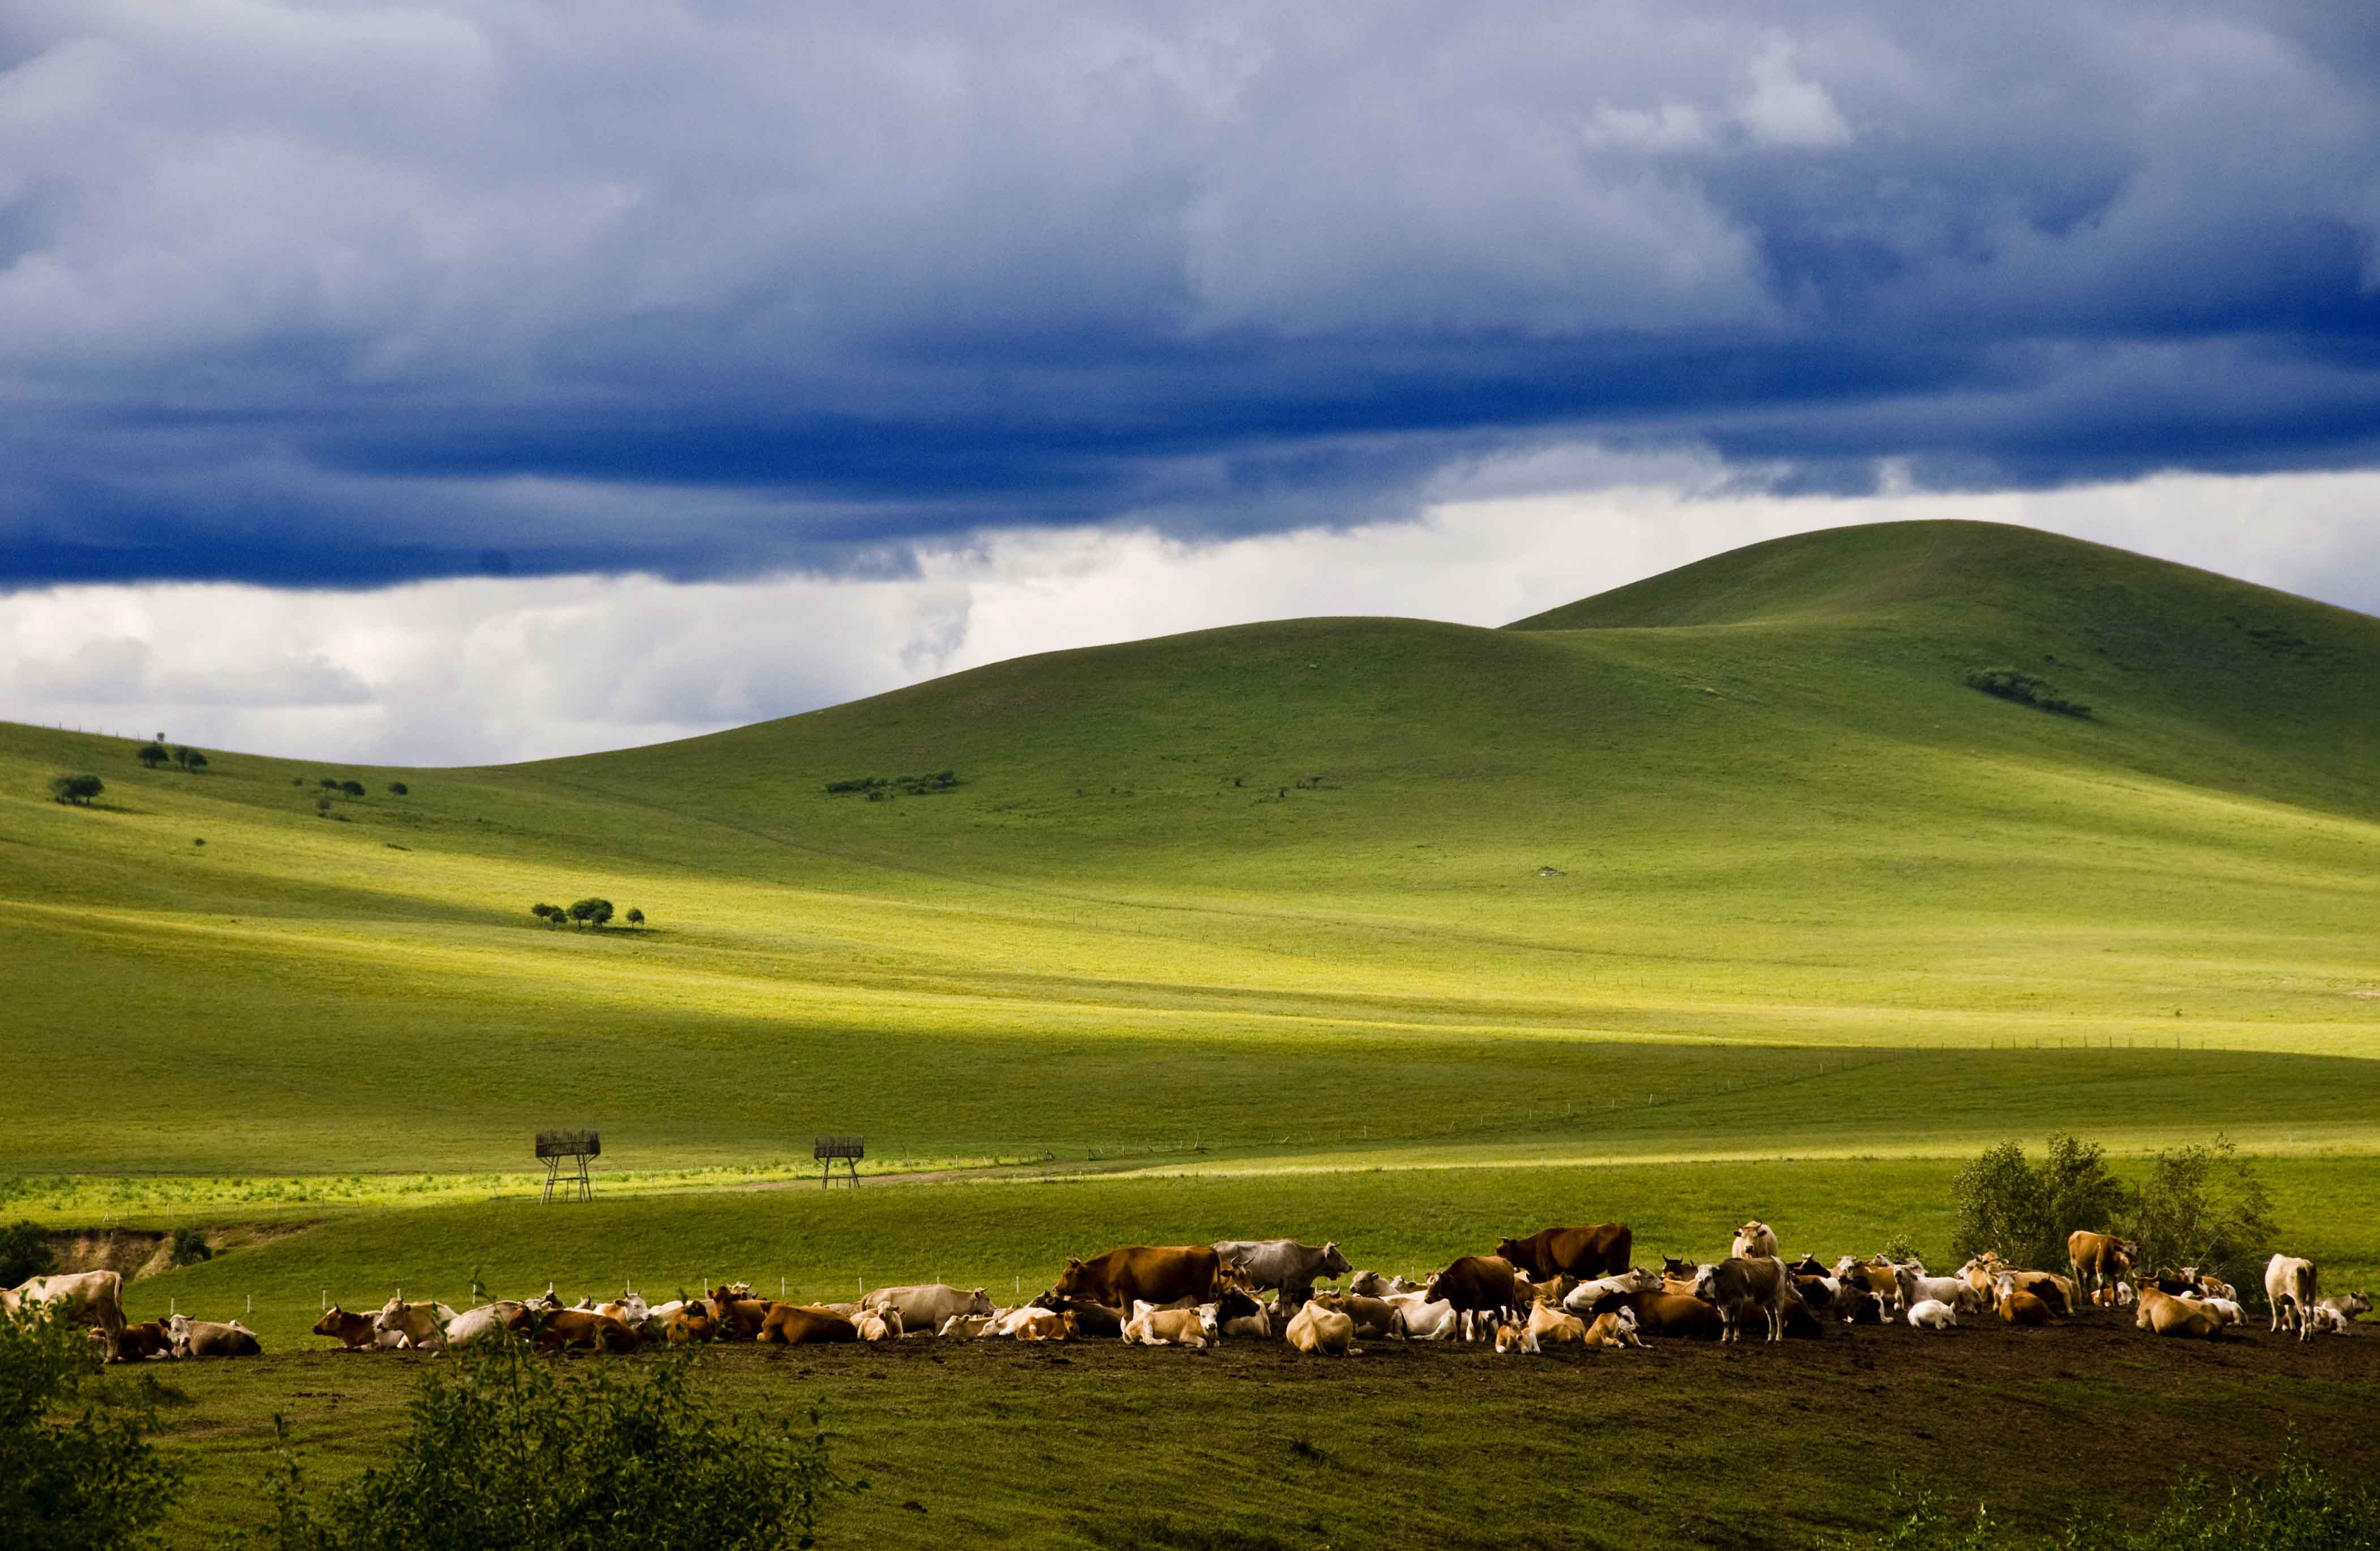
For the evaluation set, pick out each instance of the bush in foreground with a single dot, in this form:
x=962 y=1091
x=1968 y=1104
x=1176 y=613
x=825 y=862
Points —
x=25 y=1253
x=88 y=1481
x=2301 y=1506
x=504 y=1453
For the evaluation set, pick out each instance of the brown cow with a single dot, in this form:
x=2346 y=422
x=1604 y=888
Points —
x=1667 y=1314
x=1093 y=1321
x=1143 y=1273
x=353 y=1331
x=1474 y=1284
x=151 y=1338
x=737 y=1318
x=1372 y=1316
x=691 y=1322
x=1598 y=1250
x=1047 y=1325
x=2164 y=1314
x=2018 y=1307
x=574 y=1330
x=801 y=1324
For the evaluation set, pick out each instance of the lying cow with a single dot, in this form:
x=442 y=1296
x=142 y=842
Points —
x=206 y=1337
x=421 y=1323
x=145 y=1339
x=1514 y=1338
x=1549 y=1326
x=736 y=1315
x=1616 y=1328
x=1373 y=1316
x=1595 y=1250
x=1094 y=1322
x=1373 y=1284
x=1669 y=1314
x=1587 y=1296
x=1418 y=1319
x=1046 y=1325
x=1322 y=1332
x=2022 y=1308
x=807 y=1325
x=1916 y=1287
x=2292 y=1288
x=2348 y=1306
x=358 y=1332
x=574 y=1330
x=1237 y=1313
x=876 y=1326
x=927 y=1307
x=1932 y=1314
x=2162 y=1314
x=1153 y=1326
x=473 y=1325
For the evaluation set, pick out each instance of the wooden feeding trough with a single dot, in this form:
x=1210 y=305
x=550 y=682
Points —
x=848 y=1150
x=559 y=1148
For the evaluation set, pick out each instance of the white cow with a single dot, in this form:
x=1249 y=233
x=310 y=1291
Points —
x=1582 y=1299
x=1932 y=1314
x=2291 y=1286
x=1918 y=1288
x=478 y=1324
x=1417 y=1319
x=1754 y=1240
x=95 y=1297
x=1151 y=1325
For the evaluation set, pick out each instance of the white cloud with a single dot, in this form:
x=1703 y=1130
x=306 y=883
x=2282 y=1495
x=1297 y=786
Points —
x=492 y=669
x=1785 y=107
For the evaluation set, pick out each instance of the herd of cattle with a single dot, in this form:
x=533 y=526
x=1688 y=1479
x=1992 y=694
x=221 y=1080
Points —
x=1560 y=1286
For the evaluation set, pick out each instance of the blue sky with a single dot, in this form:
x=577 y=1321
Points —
x=357 y=297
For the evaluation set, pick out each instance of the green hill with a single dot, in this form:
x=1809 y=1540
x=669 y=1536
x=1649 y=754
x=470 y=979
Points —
x=1320 y=879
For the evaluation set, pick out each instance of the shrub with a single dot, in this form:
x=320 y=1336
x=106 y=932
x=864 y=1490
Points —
x=2204 y=1205
x=196 y=762
x=398 y=789
x=352 y=788
x=2023 y=688
x=322 y=804
x=329 y=784
x=153 y=756
x=502 y=1452
x=25 y=1251
x=83 y=1481
x=76 y=788
x=635 y=917
x=2007 y=1204
x=551 y=915
x=878 y=788
x=190 y=1247
x=591 y=912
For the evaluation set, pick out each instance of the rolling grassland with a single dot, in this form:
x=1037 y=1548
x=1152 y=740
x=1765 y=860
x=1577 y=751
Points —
x=1717 y=895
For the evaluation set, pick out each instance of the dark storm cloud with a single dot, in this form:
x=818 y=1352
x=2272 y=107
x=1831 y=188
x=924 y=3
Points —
x=344 y=296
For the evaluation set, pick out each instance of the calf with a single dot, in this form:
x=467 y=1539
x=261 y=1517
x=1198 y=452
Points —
x=147 y=1338
x=1551 y=1326
x=1742 y=1283
x=1154 y=1326
x=1046 y=1325
x=1513 y=1337
x=1616 y=1328
x=1932 y=1314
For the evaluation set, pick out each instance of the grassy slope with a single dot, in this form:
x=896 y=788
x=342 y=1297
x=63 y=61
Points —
x=1777 y=818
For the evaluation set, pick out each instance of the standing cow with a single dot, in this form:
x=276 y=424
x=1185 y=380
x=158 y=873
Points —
x=2098 y=1260
x=930 y=1306
x=1742 y=1283
x=1596 y=1250
x=1474 y=1284
x=95 y=1297
x=1151 y=1273
x=1753 y=1241
x=2291 y=1286
x=1285 y=1264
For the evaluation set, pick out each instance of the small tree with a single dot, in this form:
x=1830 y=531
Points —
x=329 y=784
x=196 y=762
x=2007 y=1204
x=2204 y=1205
x=76 y=788
x=398 y=789
x=323 y=806
x=190 y=1246
x=551 y=915
x=635 y=918
x=153 y=756
x=25 y=1253
x=182 y=758
x=352 y=788
x=86 y=1482
x=591 y=912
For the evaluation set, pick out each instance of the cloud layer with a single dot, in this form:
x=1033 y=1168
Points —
x=483 y=670
x=355 y=294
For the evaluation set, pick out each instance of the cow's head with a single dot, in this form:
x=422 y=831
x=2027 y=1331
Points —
x=1070 y=1281
x=1333 y=1263
x=1512 y=1249
x=979 y=1301
x=1672 y=1266
x=329 y=1322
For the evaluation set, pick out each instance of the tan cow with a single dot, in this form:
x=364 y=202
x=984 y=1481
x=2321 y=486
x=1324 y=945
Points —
x=1616 y=1328
x=2022 y=1308
x=1322 y=1331
x=927 y=1308
x=801 y=1325
x=1553 y=1328
x=2099 y=1259
x=206 y=1337
x=357 y=1332
x=1150 y=1325
x=1755 y=1239
x=1047 y=1324
x=421 y=1323
x=2164 y=1314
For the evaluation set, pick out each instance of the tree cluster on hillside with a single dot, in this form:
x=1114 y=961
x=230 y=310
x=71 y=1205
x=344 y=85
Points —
x=156 y=753
x=588 y=912
x=75 y=789
x=2025 y=689
x=2196 y=1206
x=502 y=1453
x=879 y=788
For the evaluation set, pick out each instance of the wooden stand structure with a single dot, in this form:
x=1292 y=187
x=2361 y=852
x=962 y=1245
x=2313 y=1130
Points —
x=849 y=1150
x=556 y=1147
